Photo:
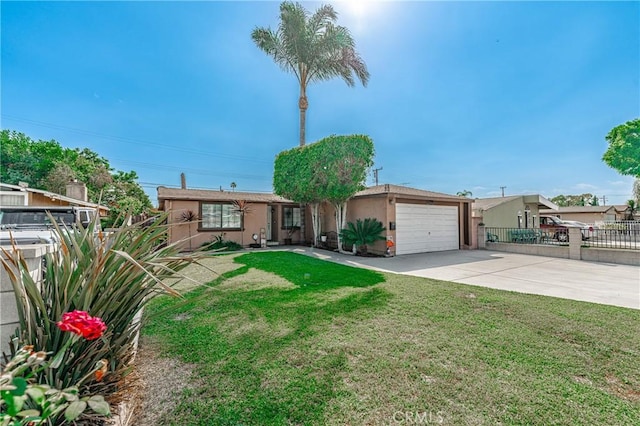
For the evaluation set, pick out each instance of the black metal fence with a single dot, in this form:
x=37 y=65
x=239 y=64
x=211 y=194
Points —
x=611 y=237
x=620 y=237
x=527 y=236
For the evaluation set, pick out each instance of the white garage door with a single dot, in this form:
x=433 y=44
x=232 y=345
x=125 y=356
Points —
x=421 y=228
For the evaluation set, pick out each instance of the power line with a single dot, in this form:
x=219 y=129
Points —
x=173 y=186
x=129 y=140
x=190 y=170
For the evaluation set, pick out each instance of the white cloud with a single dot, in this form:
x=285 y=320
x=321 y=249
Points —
x=618 y=183
x=585 y=186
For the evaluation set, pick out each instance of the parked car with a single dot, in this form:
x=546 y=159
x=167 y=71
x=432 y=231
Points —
x=559 y=228
x=588 y=231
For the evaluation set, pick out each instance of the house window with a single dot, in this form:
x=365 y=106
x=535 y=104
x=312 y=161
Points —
x=290 y=217
x=11 y=198
x=219 y=216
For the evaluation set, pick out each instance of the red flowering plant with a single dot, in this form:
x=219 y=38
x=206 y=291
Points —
x=82 y=324
x=112 y=276
x=24 y=400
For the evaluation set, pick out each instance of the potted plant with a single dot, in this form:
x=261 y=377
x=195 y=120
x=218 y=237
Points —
x=290 y=230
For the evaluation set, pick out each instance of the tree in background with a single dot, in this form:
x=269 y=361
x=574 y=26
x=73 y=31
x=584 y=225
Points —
x=313 y=48
x=633 y=207
x=464 y=193
x=623 y=153
x=47 y=165
x=587 y=199
x=24 y=160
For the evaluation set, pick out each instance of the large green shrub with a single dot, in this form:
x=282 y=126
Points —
x=332 y=169
x=109 y=276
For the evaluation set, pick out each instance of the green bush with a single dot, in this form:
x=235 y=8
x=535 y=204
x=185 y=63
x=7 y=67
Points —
x=220 y=244
x=363 y=233
x=109 y=276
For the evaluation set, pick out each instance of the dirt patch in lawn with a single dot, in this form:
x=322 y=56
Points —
x=160 y=383
x=206 y=271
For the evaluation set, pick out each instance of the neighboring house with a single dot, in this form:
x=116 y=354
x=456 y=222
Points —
x=586 y=214
x=417 y=221
x=270 y=217
x=623 y=212
x=514 y=211
x=19 y=195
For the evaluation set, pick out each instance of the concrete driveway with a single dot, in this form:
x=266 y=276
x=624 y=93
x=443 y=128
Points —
x=605 y=283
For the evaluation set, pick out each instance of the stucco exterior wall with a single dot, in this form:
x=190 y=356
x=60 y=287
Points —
x=375 y=207
x=475 y=221
x=254 y=221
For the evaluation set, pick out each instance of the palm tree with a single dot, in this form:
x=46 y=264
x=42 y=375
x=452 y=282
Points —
x=233 y=186
x=464 y=193
x=313 y=48
x=189 y=217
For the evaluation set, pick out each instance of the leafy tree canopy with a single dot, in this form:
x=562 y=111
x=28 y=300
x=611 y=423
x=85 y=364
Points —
x=47 y=165
x=332 y=169
x=586 y=199
x=623 y=153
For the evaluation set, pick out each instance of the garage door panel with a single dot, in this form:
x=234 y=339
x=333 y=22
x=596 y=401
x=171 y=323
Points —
x=425 y=228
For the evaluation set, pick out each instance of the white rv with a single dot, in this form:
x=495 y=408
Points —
x=33 y=225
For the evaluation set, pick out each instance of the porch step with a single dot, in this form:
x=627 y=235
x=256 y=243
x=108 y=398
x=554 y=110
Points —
x=272 y=243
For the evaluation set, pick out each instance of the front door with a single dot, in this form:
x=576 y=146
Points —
x=269 y=220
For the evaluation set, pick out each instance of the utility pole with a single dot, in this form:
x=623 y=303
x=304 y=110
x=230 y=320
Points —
x=502 y=188
x=604 y=200
x=375 y=174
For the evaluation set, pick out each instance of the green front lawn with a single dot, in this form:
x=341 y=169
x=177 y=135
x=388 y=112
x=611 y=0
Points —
x=287 y=339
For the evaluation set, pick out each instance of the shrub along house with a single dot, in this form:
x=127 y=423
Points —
x=416 y=220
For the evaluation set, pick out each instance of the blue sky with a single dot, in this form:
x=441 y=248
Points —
x=462 y=95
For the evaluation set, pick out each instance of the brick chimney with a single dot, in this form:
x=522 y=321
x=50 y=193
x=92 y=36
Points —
x=77 y=190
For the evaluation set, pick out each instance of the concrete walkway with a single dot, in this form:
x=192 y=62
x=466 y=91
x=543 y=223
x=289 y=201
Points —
x=605 y=283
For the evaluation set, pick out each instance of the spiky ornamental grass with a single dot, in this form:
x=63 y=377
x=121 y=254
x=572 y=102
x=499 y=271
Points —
x=110 y=276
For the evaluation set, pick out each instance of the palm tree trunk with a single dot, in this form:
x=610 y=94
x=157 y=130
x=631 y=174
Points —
x=303 y=104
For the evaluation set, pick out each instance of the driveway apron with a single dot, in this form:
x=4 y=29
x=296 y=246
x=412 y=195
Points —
x=605 y=283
